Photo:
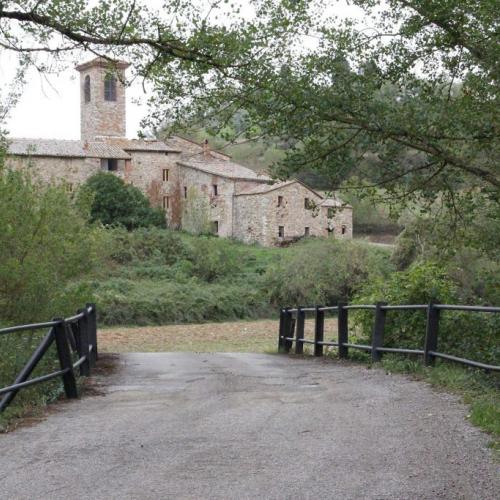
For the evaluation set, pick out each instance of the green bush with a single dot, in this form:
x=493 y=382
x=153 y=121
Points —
x=324 y=272
x=161 y=246
x=46 y=246
x=112 y=202
x=159 y=302
x=465 y=334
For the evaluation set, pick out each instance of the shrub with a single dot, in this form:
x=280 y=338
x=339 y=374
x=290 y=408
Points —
x=324 y=272
x=45 y=244
x=472 y=335
x=115 y=203
x=162 y=246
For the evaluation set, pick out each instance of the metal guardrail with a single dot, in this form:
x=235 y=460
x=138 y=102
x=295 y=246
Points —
x=292 y=324
x=77 y=334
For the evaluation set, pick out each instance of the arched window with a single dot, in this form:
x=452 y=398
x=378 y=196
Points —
x=110 y=88
x=86 y=88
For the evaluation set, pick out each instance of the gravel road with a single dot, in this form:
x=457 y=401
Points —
x=246 y=426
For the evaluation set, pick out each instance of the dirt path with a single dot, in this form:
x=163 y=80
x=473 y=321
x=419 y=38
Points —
x=234 y=336
x=245 y=426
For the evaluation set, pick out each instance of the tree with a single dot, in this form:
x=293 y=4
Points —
x=409 y=103
x=112 y=202
x=45 y=244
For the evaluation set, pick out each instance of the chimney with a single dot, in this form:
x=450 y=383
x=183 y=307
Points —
x=206 y=148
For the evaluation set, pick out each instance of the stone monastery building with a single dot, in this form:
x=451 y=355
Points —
x=195 y=186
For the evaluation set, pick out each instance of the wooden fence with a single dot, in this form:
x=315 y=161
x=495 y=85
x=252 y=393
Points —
x=77 y=334
x=292 y=321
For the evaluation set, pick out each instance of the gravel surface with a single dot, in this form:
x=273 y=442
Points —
x=245 y=426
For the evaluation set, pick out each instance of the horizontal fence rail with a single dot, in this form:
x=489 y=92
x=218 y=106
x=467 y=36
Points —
x=292 y=326
x=74 y=335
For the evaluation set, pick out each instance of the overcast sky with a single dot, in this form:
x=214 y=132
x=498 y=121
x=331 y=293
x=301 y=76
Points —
x=50 y=109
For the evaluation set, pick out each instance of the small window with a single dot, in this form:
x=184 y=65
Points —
x=109 y=164
x=331 y=213
x=86 y=88
x=185 y=192
x=280 y=201
x=215 y=189
x=344 y=229
x=306 y=203
x=215 y=227
x=110 y=88
x=281 y=231
x=166 y=202
x=306 y=231
x=165 y=174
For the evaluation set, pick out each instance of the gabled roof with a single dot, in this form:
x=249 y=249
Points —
x=64 y=148
x=266 y=188
x=276 y=185
x=183 y=143
x=222 y=168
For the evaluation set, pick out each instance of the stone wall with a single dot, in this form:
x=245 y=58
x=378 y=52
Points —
x=99 y=117
x=220 y=206
x=57 y=170
x=259 y=216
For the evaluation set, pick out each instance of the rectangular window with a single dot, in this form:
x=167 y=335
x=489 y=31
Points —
x=166 y=202
x=109 y=164
x=344 y=229
x=215 y=227
x=215 y=189
x=331 y=213
x=185 y=192
x=280 y=201
x=306 y=203
x=306 y=231
x=281 y=231
x=165 y=174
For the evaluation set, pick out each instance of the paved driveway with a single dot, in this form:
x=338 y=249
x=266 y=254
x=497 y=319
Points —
x=245 y=426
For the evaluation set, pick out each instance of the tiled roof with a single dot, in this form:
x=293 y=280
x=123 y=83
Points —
x=222 y=168
x=189 y=146
x=64 y=148
x=265 y=188
x=142 y=145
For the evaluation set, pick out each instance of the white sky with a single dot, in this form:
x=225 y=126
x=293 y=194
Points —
x=51 y=109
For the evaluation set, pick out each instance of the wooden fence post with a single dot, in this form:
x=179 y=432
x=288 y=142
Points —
x=65 y=361
x=83 y=344
x=319 y=330
x=282 y=329
x=431 y=333
x=342 y=330
x=290 y=331
x=378 y=331
x=92 y=324
x=299 y=332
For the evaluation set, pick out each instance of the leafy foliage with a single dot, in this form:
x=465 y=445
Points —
x=45 y=245
x=324 y=272
x=464 y=334
x=115 y=203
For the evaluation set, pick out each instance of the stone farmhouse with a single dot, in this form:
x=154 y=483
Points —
x=198 y=188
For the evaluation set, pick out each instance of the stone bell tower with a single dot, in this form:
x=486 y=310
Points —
x=102 y=99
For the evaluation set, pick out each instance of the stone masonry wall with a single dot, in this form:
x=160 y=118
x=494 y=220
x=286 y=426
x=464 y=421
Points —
x=57 y=170
x=259 y=216
x=99 y=117
x=220 y=206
